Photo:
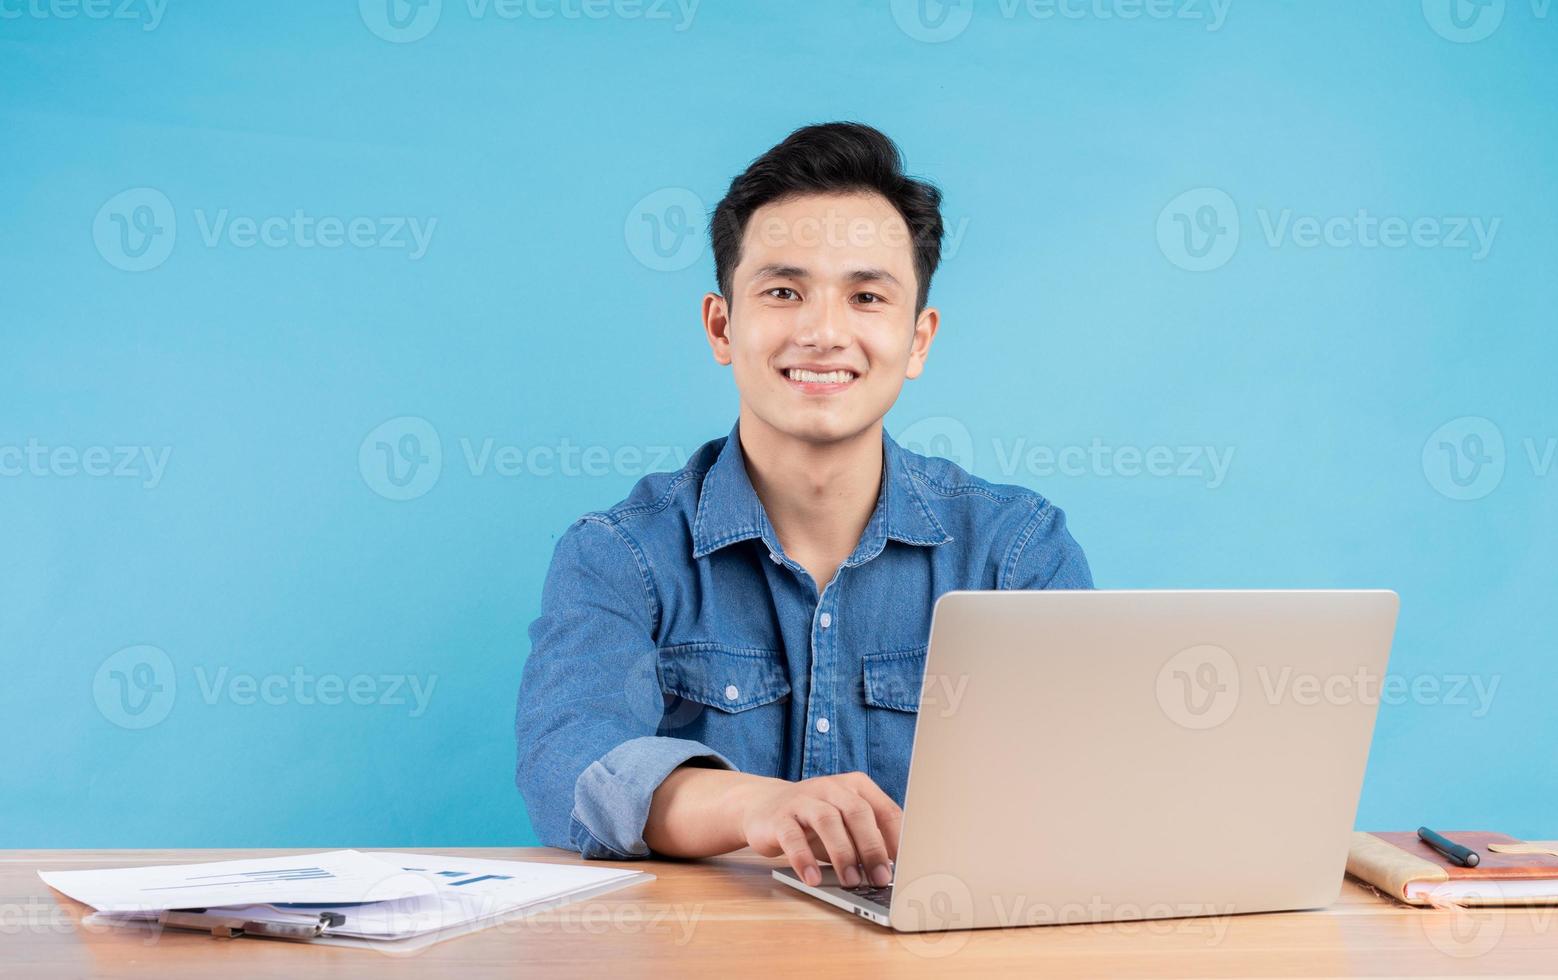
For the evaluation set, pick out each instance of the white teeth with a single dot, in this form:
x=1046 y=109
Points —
x=814 y=377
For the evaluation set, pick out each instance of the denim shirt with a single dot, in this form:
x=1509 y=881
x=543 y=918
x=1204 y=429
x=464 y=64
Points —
x=675 y=630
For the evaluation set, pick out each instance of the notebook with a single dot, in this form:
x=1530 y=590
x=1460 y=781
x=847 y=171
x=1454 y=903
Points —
x=1405 y=868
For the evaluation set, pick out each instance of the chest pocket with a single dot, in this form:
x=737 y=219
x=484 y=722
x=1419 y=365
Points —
x=730 y=698
x=891 y=683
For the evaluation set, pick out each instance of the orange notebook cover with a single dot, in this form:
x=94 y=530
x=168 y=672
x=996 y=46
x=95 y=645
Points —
x=1405 y=868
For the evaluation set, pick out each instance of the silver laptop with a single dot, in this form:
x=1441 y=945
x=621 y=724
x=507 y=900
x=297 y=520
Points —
x=1119 y=755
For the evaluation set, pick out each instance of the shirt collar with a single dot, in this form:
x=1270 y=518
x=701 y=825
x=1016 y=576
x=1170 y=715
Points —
x=730 y=511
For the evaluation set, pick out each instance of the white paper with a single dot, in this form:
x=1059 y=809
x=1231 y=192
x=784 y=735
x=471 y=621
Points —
x=1484 y=891
x=329 y=877
x=462 y=895
x=467 y=890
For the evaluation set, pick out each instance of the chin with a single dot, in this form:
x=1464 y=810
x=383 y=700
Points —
x=818 y=428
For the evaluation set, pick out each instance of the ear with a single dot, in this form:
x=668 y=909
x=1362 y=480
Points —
x=716 y=326
x=925 y=326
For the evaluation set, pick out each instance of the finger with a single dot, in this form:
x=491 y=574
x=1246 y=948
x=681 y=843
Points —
x=792 y=840
x=824 y=820
x=889 y=815
x=860 y=819
x=817 y=847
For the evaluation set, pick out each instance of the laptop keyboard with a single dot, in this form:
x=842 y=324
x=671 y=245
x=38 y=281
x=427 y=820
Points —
x=882 y=896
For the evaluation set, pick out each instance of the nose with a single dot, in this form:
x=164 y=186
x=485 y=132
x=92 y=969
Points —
x=823 y=326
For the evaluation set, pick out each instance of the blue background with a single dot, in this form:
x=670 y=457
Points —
x=541 y=313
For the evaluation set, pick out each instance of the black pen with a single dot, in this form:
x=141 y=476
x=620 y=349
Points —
x=1455 y=852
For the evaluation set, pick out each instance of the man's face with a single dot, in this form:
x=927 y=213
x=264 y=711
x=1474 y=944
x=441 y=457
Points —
x=820 y=325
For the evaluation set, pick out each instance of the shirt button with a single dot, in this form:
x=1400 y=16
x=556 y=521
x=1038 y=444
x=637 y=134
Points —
x=823 y=726
x=732 y=692
x=775 y=556
x=826 y=620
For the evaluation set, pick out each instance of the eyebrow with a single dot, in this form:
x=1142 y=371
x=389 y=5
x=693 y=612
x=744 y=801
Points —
x=779 y=272
x=873 y=275
x=870 y=274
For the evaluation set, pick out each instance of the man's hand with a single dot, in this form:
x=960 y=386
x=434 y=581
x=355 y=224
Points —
x=846 y=819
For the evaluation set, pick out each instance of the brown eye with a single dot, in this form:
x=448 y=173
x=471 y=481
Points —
x=787 y=292
x=868 y=297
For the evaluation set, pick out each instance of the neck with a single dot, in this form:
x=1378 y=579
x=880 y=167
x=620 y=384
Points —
x=818 y=496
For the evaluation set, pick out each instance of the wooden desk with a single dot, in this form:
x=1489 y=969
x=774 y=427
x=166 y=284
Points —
x=727 y=917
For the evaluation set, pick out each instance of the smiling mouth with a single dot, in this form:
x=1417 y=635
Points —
x=819 y=382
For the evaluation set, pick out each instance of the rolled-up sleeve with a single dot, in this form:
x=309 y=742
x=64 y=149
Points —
x=590 y=701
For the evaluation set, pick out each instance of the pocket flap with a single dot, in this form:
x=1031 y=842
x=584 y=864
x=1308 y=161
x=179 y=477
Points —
x=725 y=677
x=893 y=679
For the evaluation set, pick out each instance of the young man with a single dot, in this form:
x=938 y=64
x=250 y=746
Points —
x=732 y=655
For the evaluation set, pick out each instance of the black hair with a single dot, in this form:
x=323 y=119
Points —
x=837 y=157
